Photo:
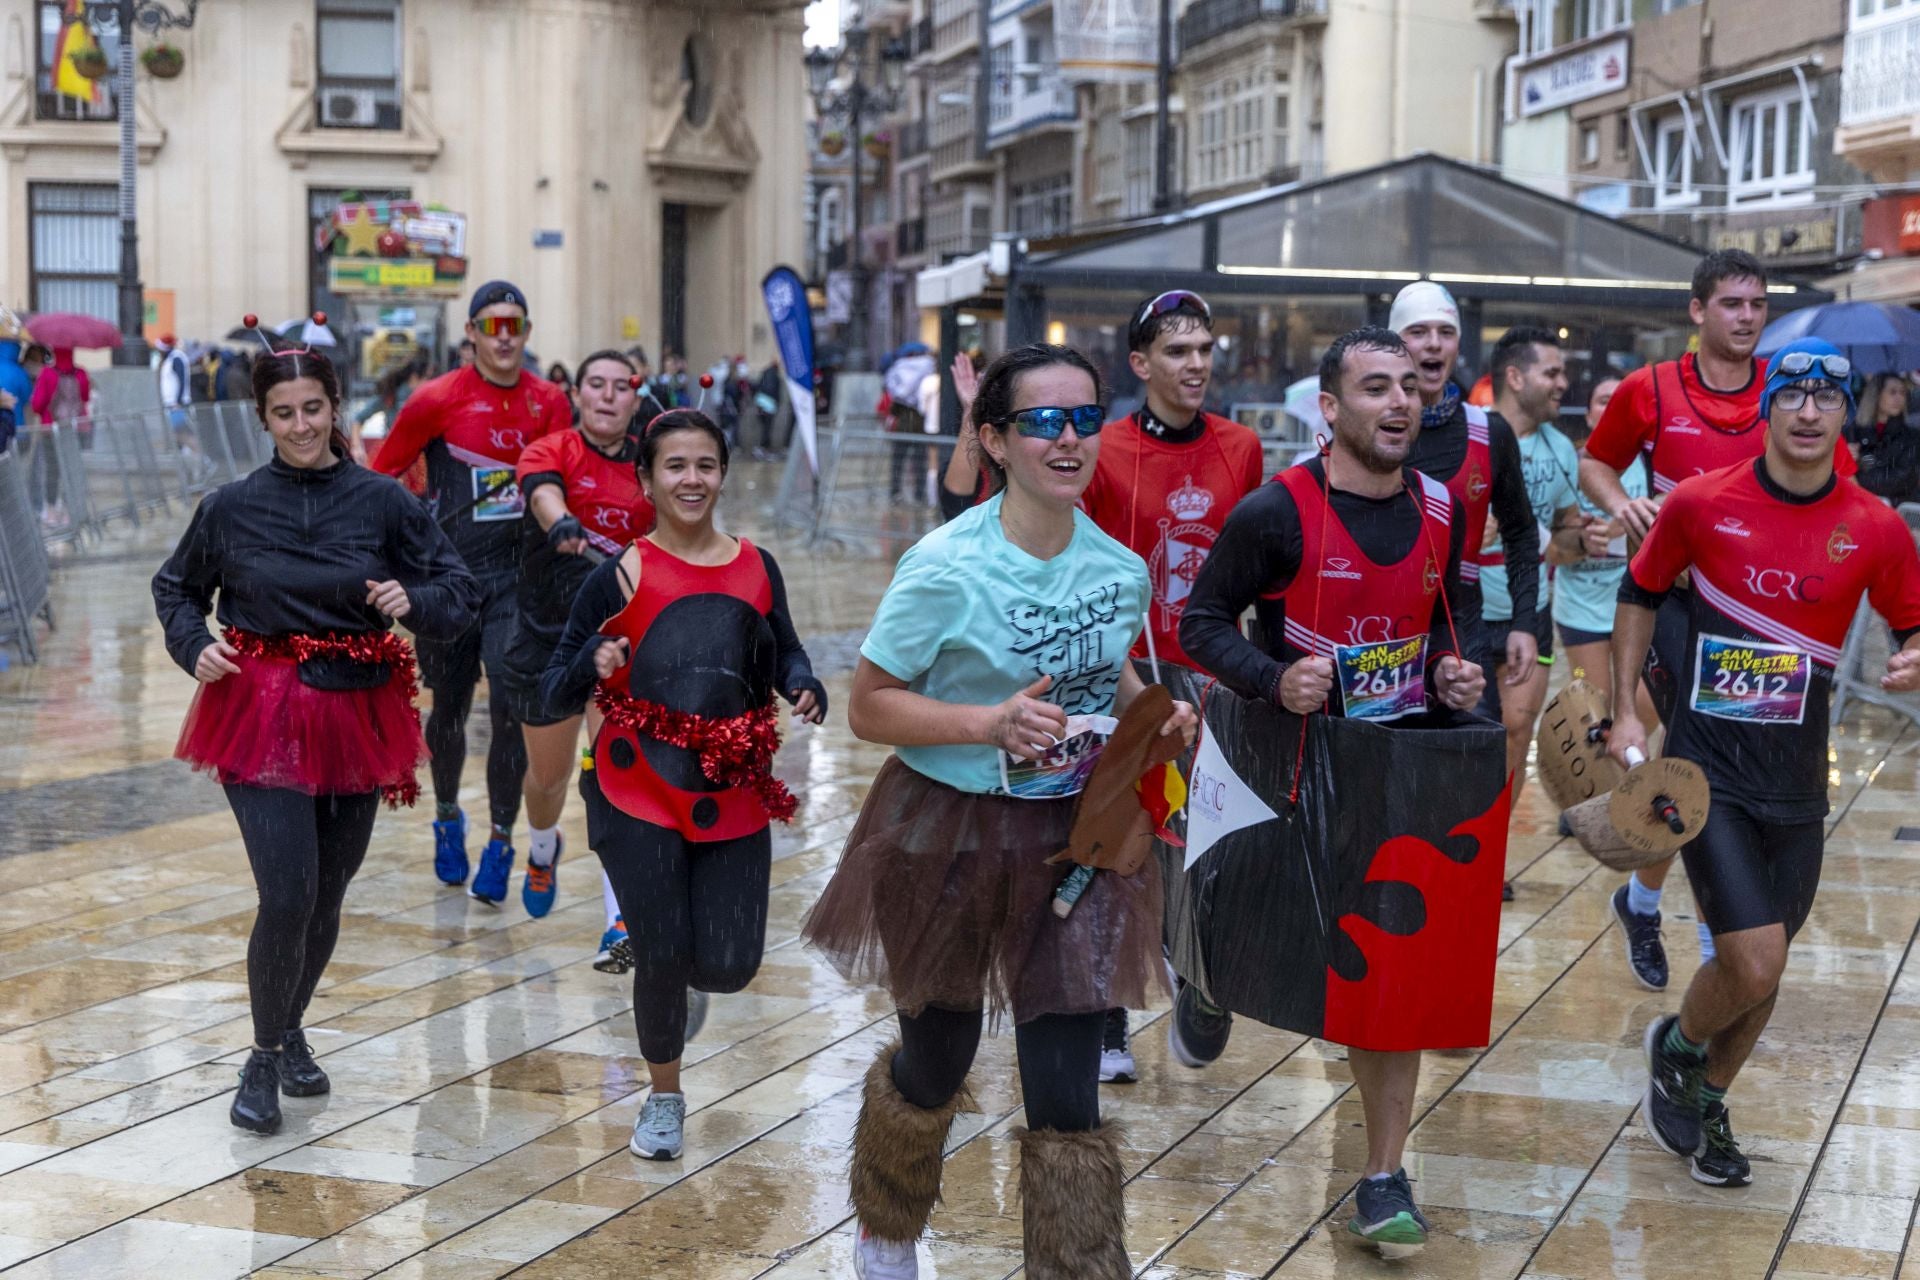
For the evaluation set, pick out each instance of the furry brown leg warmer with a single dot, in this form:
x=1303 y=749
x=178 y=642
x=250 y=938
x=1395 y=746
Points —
x=895 y=1174
x=1074 y=1217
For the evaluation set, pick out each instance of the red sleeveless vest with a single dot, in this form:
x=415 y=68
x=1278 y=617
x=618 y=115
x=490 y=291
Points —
x=1688 y=442
x=1472 y=488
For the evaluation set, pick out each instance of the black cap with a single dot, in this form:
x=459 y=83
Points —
x=492 y=294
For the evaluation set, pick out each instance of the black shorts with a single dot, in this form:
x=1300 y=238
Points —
x=1571 y=636
x=1666 y=661
x=528 y=649
x=1490 y=651
x=1748 y=871
x=453 y=666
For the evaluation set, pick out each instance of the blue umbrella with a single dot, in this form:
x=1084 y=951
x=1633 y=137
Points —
x=1878 y=337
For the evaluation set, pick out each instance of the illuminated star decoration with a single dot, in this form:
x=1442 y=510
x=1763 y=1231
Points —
x=361 y=233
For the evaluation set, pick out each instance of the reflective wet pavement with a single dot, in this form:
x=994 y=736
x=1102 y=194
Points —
x=485 y=1077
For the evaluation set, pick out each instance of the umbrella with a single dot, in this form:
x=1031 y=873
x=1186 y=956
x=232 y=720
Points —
x=311 y=332
x=70 y=329
x=1303 y=401
x=1879 y=337
x=912 y=349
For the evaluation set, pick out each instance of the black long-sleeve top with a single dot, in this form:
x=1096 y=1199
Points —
x=570 y=675
x=1889 y=454
x=1258 y=555
x=1440 y=451
x=290 y=551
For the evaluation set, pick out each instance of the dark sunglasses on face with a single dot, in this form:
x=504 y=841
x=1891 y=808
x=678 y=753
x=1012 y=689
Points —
x=1047 y=422
x=1798 y=363
x=494 y=326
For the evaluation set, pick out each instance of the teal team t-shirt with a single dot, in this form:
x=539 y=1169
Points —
x=1552 y=472
x=1584 y=592
x=970 y=618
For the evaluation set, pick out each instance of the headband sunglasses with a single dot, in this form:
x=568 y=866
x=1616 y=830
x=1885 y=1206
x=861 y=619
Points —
x=1170 y=301
x=1050 y=423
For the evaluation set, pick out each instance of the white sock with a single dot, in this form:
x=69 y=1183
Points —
x=542 y=844
x=607 y=899
x=1706 y=941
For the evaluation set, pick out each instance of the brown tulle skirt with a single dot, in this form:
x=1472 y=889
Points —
x=945 y=898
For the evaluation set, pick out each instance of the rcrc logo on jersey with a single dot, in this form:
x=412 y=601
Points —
x=1476 y=484
x=1840 y=544
x=511 y=438
x=1781 y=584
x=1377 y=628
x=1339 y=568
x=611 y=518
x=1735 y=526
x=1190 y=501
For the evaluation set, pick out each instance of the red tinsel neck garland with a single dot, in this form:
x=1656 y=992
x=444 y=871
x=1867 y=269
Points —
x=368 y=647
x=735 y=752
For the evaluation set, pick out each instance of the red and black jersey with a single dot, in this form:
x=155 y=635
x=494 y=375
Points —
x=1777 y=579
x=1166 y=500
x=471 y=432
x=601 y=492
x=1685 y=427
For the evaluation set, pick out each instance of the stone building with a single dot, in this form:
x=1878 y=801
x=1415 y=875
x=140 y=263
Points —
x=634 y=164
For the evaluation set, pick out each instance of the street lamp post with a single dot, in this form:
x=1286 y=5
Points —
x=122 y=16
x=853 y=100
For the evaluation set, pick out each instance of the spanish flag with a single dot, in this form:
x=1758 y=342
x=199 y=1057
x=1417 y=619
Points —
x=76 y=39
x=1163 y=793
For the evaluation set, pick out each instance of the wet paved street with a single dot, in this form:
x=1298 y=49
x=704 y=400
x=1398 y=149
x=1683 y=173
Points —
x=485 y=1077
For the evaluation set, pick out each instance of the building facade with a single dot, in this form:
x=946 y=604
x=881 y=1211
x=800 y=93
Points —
x=632 y=164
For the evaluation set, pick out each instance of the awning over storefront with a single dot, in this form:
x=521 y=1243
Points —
x=1373 y=231
x=1889 y=280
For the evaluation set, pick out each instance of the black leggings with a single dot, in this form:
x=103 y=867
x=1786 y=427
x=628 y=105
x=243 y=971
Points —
x=1748 y=872
x=304 y=851
x=1059 y=1063
x=696 y=916
x=446 y=735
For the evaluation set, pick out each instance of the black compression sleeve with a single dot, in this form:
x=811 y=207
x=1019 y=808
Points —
x=1519 y=533
x=793 y=673
x=183 y=588
x=570 y=675
x=1258 y=552
x=444 y=596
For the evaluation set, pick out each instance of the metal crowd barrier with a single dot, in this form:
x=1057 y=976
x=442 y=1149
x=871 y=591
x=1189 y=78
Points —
x=125 y=466
x=25 y=573
x=1863 y=659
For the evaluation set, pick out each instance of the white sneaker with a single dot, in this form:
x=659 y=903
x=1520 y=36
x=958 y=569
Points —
x=877 y=1259
x=1116 y=1051
x=656 y=1133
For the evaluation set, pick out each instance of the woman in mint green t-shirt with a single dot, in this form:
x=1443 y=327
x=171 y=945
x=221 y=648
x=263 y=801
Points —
x=995 y=653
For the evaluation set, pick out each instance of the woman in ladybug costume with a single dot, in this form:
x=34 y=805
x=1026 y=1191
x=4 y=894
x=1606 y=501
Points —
x=305 y=709
x=688 y=636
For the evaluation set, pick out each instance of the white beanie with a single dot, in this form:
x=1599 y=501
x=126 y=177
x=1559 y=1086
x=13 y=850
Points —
x=1423 y=302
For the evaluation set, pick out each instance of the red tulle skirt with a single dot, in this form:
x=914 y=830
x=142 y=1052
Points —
x=264 y=728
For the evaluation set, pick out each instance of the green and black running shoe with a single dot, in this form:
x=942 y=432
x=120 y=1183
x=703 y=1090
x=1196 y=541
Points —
x=1386 y=1217
x=1719 y=1162
x=1671 y=1107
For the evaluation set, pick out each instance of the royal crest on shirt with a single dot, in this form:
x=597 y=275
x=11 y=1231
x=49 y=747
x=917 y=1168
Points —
x=1840 y=543
x=1175 y=563
x=1476 y=484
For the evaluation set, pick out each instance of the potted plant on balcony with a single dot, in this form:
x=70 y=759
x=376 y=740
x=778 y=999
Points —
x=92 y=64
x=832 y=142
x=878 y=144
x=163 y=61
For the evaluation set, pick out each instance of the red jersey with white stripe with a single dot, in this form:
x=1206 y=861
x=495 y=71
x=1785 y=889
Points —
x=1684 y=426
x=1342 y=597
x=1472 y=487
x=472 y=433
x=602 y=492
x=1777 y=578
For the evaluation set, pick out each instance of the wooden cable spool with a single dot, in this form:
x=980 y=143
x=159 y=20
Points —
x=1571 y=747
x=1656 y=809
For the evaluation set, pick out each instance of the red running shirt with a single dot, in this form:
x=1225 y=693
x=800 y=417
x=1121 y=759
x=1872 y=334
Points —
x=471 y=433
x=1684 y=426
x=1167 y=502
x=602 y=493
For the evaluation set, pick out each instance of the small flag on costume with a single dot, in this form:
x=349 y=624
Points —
x=74 y=40
x=1163 y=793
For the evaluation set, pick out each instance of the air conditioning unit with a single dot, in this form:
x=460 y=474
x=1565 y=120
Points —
x=350 y=108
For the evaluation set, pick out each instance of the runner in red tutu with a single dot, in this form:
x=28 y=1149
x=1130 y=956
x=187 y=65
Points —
x=305 y=710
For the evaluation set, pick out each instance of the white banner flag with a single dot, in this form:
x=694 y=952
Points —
x=1218 y=802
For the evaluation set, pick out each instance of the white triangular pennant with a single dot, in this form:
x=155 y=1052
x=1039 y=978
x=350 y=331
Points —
x=1218 y=802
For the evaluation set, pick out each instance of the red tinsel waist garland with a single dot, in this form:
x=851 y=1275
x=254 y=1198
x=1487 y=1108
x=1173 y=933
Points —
x=736 y=751
x=370 y=647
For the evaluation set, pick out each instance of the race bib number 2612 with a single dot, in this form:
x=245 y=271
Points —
x=1747 y=680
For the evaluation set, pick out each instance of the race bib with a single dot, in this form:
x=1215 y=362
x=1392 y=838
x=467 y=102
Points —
x=1065 y=768
x=1382 y=681
x=495 y=495
x=1747 y=680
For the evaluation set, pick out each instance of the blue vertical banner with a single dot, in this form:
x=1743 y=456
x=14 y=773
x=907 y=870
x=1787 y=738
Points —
x=787 y=307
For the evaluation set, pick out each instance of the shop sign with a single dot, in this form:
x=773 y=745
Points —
x=1891 y=224
x=365 y=275
x=1809 y=237
x=1574 y=75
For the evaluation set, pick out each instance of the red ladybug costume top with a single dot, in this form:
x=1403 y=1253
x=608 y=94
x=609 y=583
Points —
x=708 y=646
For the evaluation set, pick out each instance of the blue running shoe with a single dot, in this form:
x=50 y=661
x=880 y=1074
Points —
x=616 y=950
x=542 y=884
x=450 y=849
x=496 y=868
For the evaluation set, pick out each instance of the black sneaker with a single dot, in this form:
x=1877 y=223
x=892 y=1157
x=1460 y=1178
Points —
x=257 y=1105
x=1506 y=891
x=1385 y=1216
x=1198 y=1030
x=1116 y=1050
x=1671 y=1108
x=300 y=1075
x=1718 y=1162
x=1646 y=955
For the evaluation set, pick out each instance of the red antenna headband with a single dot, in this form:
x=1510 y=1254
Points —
x=252 y=321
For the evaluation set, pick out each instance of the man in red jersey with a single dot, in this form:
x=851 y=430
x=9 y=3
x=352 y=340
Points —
x=1689 y=416
x=1168 y=476
x=1781 y=549
x=471 y=425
